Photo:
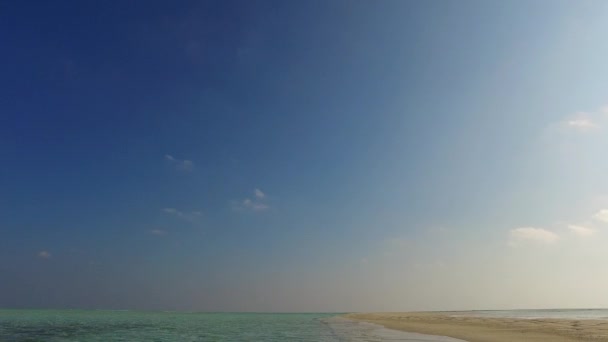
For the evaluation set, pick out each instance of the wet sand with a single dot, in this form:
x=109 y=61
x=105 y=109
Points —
x=490 y=329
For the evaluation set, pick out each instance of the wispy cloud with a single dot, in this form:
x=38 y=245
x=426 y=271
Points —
x=158 y=232
x=180 y=164
x=258 y=203
x=582 y=124
x=601 y=215
x=259 y=194
x=581 y=230
x=188 y=216
x=542 y=235
x=585 y=122
x=170 y=210
x=532 y=234
x=255 y=205
x=44 y=254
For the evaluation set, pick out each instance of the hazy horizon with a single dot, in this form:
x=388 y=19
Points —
x=304 y=156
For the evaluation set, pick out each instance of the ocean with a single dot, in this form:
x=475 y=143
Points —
x=108 y=326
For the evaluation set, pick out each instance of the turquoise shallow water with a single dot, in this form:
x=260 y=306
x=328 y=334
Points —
x=76 y=325
x=109 y=326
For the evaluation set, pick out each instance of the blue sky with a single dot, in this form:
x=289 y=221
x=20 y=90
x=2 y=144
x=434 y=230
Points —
x=302 y=156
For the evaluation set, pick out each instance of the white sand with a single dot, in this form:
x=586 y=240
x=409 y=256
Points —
x=490 y=329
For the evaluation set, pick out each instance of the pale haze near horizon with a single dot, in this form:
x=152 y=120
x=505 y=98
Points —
x=350 y=156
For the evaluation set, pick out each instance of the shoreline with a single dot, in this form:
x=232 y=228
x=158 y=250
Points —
x=345 y=329
x=489 y=329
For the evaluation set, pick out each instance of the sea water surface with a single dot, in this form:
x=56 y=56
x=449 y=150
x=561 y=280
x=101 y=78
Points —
x=83 y=325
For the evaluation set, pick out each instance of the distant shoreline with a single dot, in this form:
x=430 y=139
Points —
x=490 y=329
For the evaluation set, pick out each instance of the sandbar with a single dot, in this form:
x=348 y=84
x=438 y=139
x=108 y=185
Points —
x=489 y=329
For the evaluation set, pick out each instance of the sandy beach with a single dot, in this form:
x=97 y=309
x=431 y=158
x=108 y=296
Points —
x=490 y=329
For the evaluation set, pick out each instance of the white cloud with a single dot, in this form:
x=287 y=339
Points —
x=158 y=232
x=601 y=215
x=44 y=254
x=583 y=124
x=182 y=165
x=532 y=234
x=581 y=230
x=258 y=203
x=259 y=194
x=188 y=216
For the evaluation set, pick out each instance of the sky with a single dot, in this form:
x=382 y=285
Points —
x=303 y=155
